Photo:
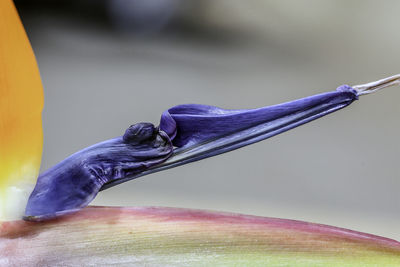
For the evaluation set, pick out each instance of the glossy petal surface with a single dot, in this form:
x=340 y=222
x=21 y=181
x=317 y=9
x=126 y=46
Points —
x=21 y=103
x=73 y=183
x=153 y=236
x=201 y=131
x=186 y=133
x=195 y=124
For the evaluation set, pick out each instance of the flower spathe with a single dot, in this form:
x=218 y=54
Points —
x=155 y=236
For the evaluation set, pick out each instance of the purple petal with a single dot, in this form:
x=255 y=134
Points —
x=193 y=124
x=198 y=131
x=73 y=183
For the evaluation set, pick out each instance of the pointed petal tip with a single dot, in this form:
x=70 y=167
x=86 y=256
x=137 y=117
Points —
x=21 y=103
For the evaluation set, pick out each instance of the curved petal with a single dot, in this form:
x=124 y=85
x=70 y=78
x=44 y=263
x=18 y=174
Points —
x=153 y=236
x=21 y=103
x=198 y=131
x=195 y=124
x=74 y=182
x=201 y=131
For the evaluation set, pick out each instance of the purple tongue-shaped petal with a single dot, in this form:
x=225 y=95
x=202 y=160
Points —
x=197 y=132
x=200 y=131
x=192 y=124
x=186 y=133
x=74 y=182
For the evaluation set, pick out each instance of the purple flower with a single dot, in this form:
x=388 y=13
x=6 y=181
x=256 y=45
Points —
x=186 y=133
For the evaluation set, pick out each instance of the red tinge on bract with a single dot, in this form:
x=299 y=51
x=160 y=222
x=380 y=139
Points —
x=154 y=236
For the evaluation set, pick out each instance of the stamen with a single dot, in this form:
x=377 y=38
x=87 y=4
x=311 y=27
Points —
x=372 y=87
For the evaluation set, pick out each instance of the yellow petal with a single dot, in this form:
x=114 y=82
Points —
x=21 y=103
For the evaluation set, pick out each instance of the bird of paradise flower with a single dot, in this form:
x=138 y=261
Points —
x=151 y=236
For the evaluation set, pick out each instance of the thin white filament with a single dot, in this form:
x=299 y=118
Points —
x=368 y=88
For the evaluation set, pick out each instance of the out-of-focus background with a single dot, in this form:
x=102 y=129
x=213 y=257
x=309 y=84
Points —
x=108 y=64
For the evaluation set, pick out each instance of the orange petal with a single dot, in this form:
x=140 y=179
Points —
x=21 y=103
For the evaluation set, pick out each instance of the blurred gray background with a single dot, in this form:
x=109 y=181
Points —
x=108 y=64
